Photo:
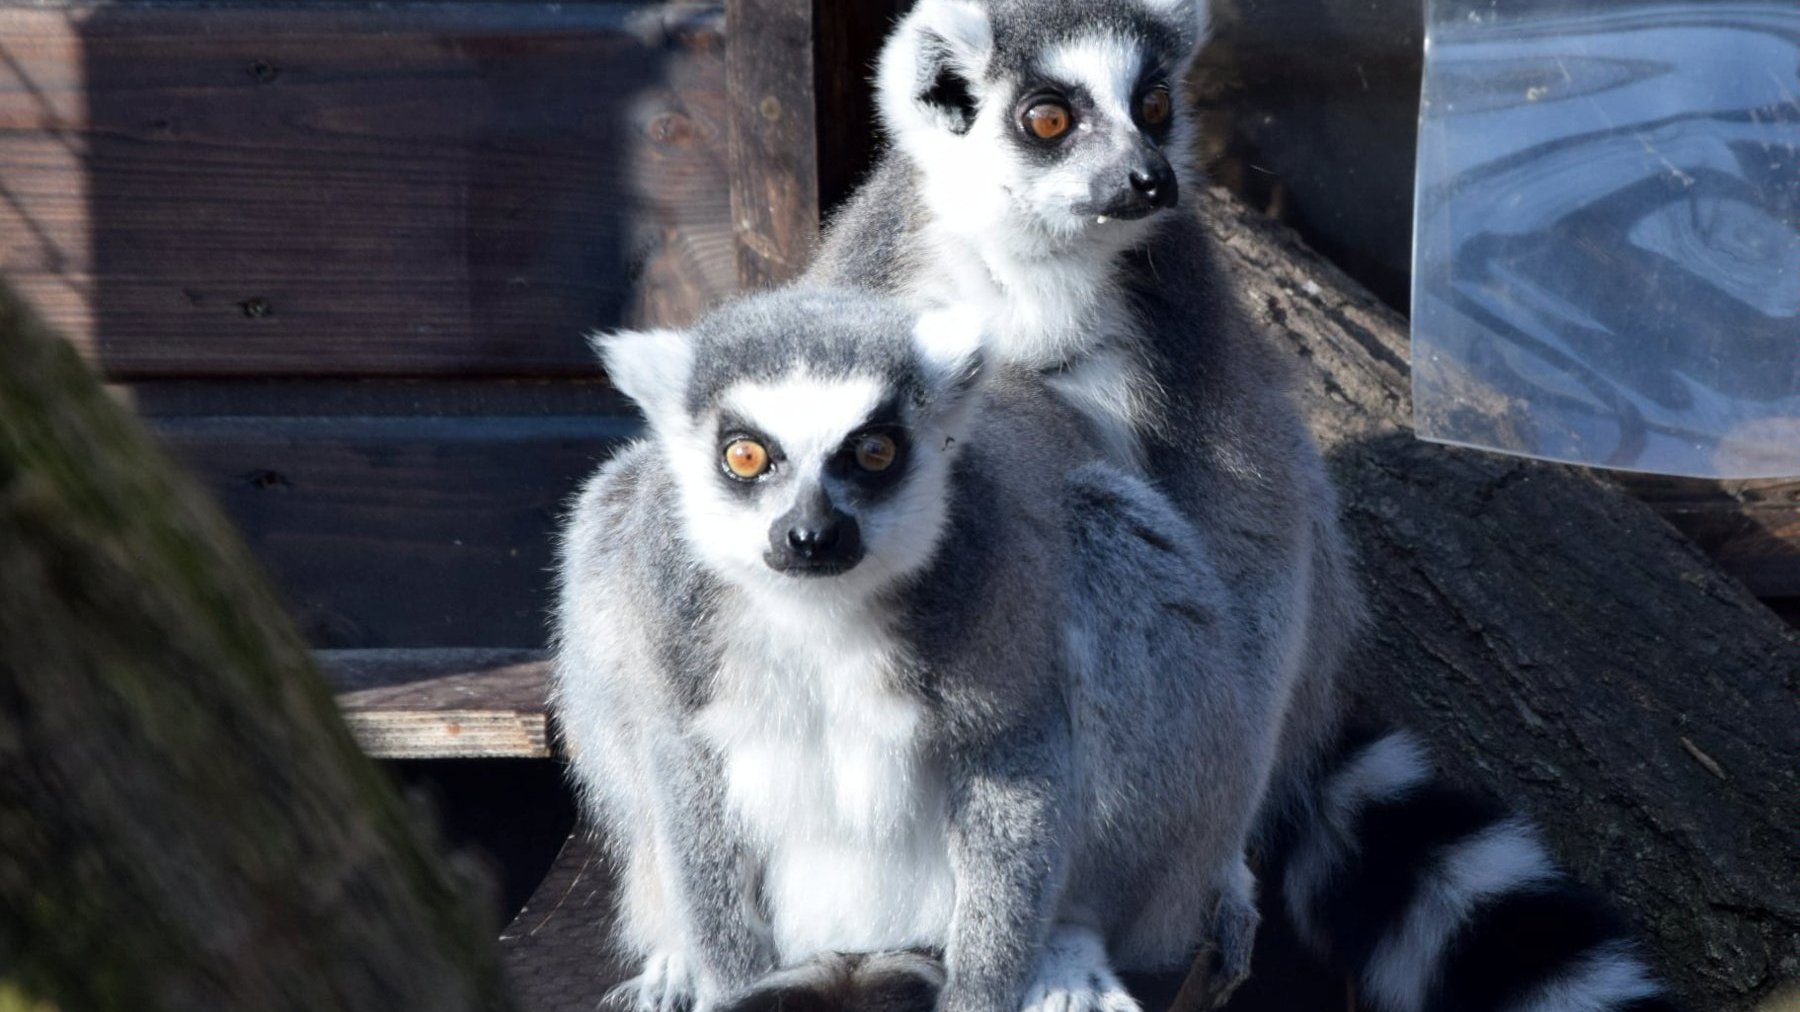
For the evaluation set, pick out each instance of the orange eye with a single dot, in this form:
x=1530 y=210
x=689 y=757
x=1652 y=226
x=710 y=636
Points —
x=1156 y=105
x=1048 y=120
x=875 y=452
x=746 y=459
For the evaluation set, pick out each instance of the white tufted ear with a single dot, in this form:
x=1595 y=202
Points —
x=652 y=368
x=930 y=67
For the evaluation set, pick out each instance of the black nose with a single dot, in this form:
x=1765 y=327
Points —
x=1148 y=185
x=814 y=540
x=1156 y=182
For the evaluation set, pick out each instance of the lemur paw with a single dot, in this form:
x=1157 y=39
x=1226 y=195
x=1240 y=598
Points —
x=666 y=984
x=1073 y=975
x=1233 y=941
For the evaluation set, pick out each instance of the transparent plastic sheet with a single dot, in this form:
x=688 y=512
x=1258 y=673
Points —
x=1606 y=262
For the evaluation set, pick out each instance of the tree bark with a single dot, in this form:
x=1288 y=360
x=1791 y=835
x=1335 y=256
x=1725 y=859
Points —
x=1559 y=644
x=185 y=822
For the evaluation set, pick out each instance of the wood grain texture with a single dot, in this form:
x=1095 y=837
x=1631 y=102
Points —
x=443 y=704
x=558 y=951
x=425 y=189
x=401 y=531
x=350 y=398
x=774 y=143
x=1750 y=528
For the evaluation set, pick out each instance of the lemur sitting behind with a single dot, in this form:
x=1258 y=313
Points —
x=1037 y=153
x=833 y=681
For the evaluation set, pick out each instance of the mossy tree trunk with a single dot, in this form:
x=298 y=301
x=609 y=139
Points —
x=184 y=821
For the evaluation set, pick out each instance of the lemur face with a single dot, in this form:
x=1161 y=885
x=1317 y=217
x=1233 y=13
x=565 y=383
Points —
x=809 y=434
x=808 y=474
x=1061 y=114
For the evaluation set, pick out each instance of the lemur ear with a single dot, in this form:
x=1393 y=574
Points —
x=926 y=78
x=1193 y=16
x=649 y=366
x=950 y=346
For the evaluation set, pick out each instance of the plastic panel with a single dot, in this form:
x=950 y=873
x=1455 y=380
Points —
x=1607 y=255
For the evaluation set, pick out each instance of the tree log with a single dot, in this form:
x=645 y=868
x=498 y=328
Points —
x=185 y=822
x=1558 y=644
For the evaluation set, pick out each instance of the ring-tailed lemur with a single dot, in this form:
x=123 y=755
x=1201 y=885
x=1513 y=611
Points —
x=1036 y=146
x=832 y=682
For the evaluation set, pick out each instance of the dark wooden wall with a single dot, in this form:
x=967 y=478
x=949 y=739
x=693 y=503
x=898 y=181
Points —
x=343 y=255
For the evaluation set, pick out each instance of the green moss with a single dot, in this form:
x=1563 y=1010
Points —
x=14 y=998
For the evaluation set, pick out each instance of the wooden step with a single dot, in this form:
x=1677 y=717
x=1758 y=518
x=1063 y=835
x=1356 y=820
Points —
x=444 y=704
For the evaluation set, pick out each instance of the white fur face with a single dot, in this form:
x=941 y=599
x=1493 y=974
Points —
x=859 y=456
x=807 y=425
x=955 y=97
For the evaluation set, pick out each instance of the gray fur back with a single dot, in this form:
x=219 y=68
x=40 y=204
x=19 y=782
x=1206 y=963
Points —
x=1230 y=452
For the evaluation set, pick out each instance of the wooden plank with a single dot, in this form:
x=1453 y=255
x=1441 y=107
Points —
x=443 y=704
x=266 y=397
x=556 y=951
x=416 y=532
x=421 y=189
x=772 y=116
x=1750 y=528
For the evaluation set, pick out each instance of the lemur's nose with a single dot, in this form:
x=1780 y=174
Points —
x=1156 y=182
x=813 y=540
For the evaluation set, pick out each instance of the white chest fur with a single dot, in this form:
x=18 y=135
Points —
x=1058 y=311
x=826 y=769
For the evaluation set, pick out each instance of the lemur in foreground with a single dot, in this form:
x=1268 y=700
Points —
x=1037 y=149
x=833 y=680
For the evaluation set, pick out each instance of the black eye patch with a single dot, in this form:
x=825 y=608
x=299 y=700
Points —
x=873 y=485
x=865 y=484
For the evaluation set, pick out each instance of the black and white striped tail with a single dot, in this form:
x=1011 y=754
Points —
x=1435 y=899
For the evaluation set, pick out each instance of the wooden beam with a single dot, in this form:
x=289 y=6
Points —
x=772 y=111
x=443 y=704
